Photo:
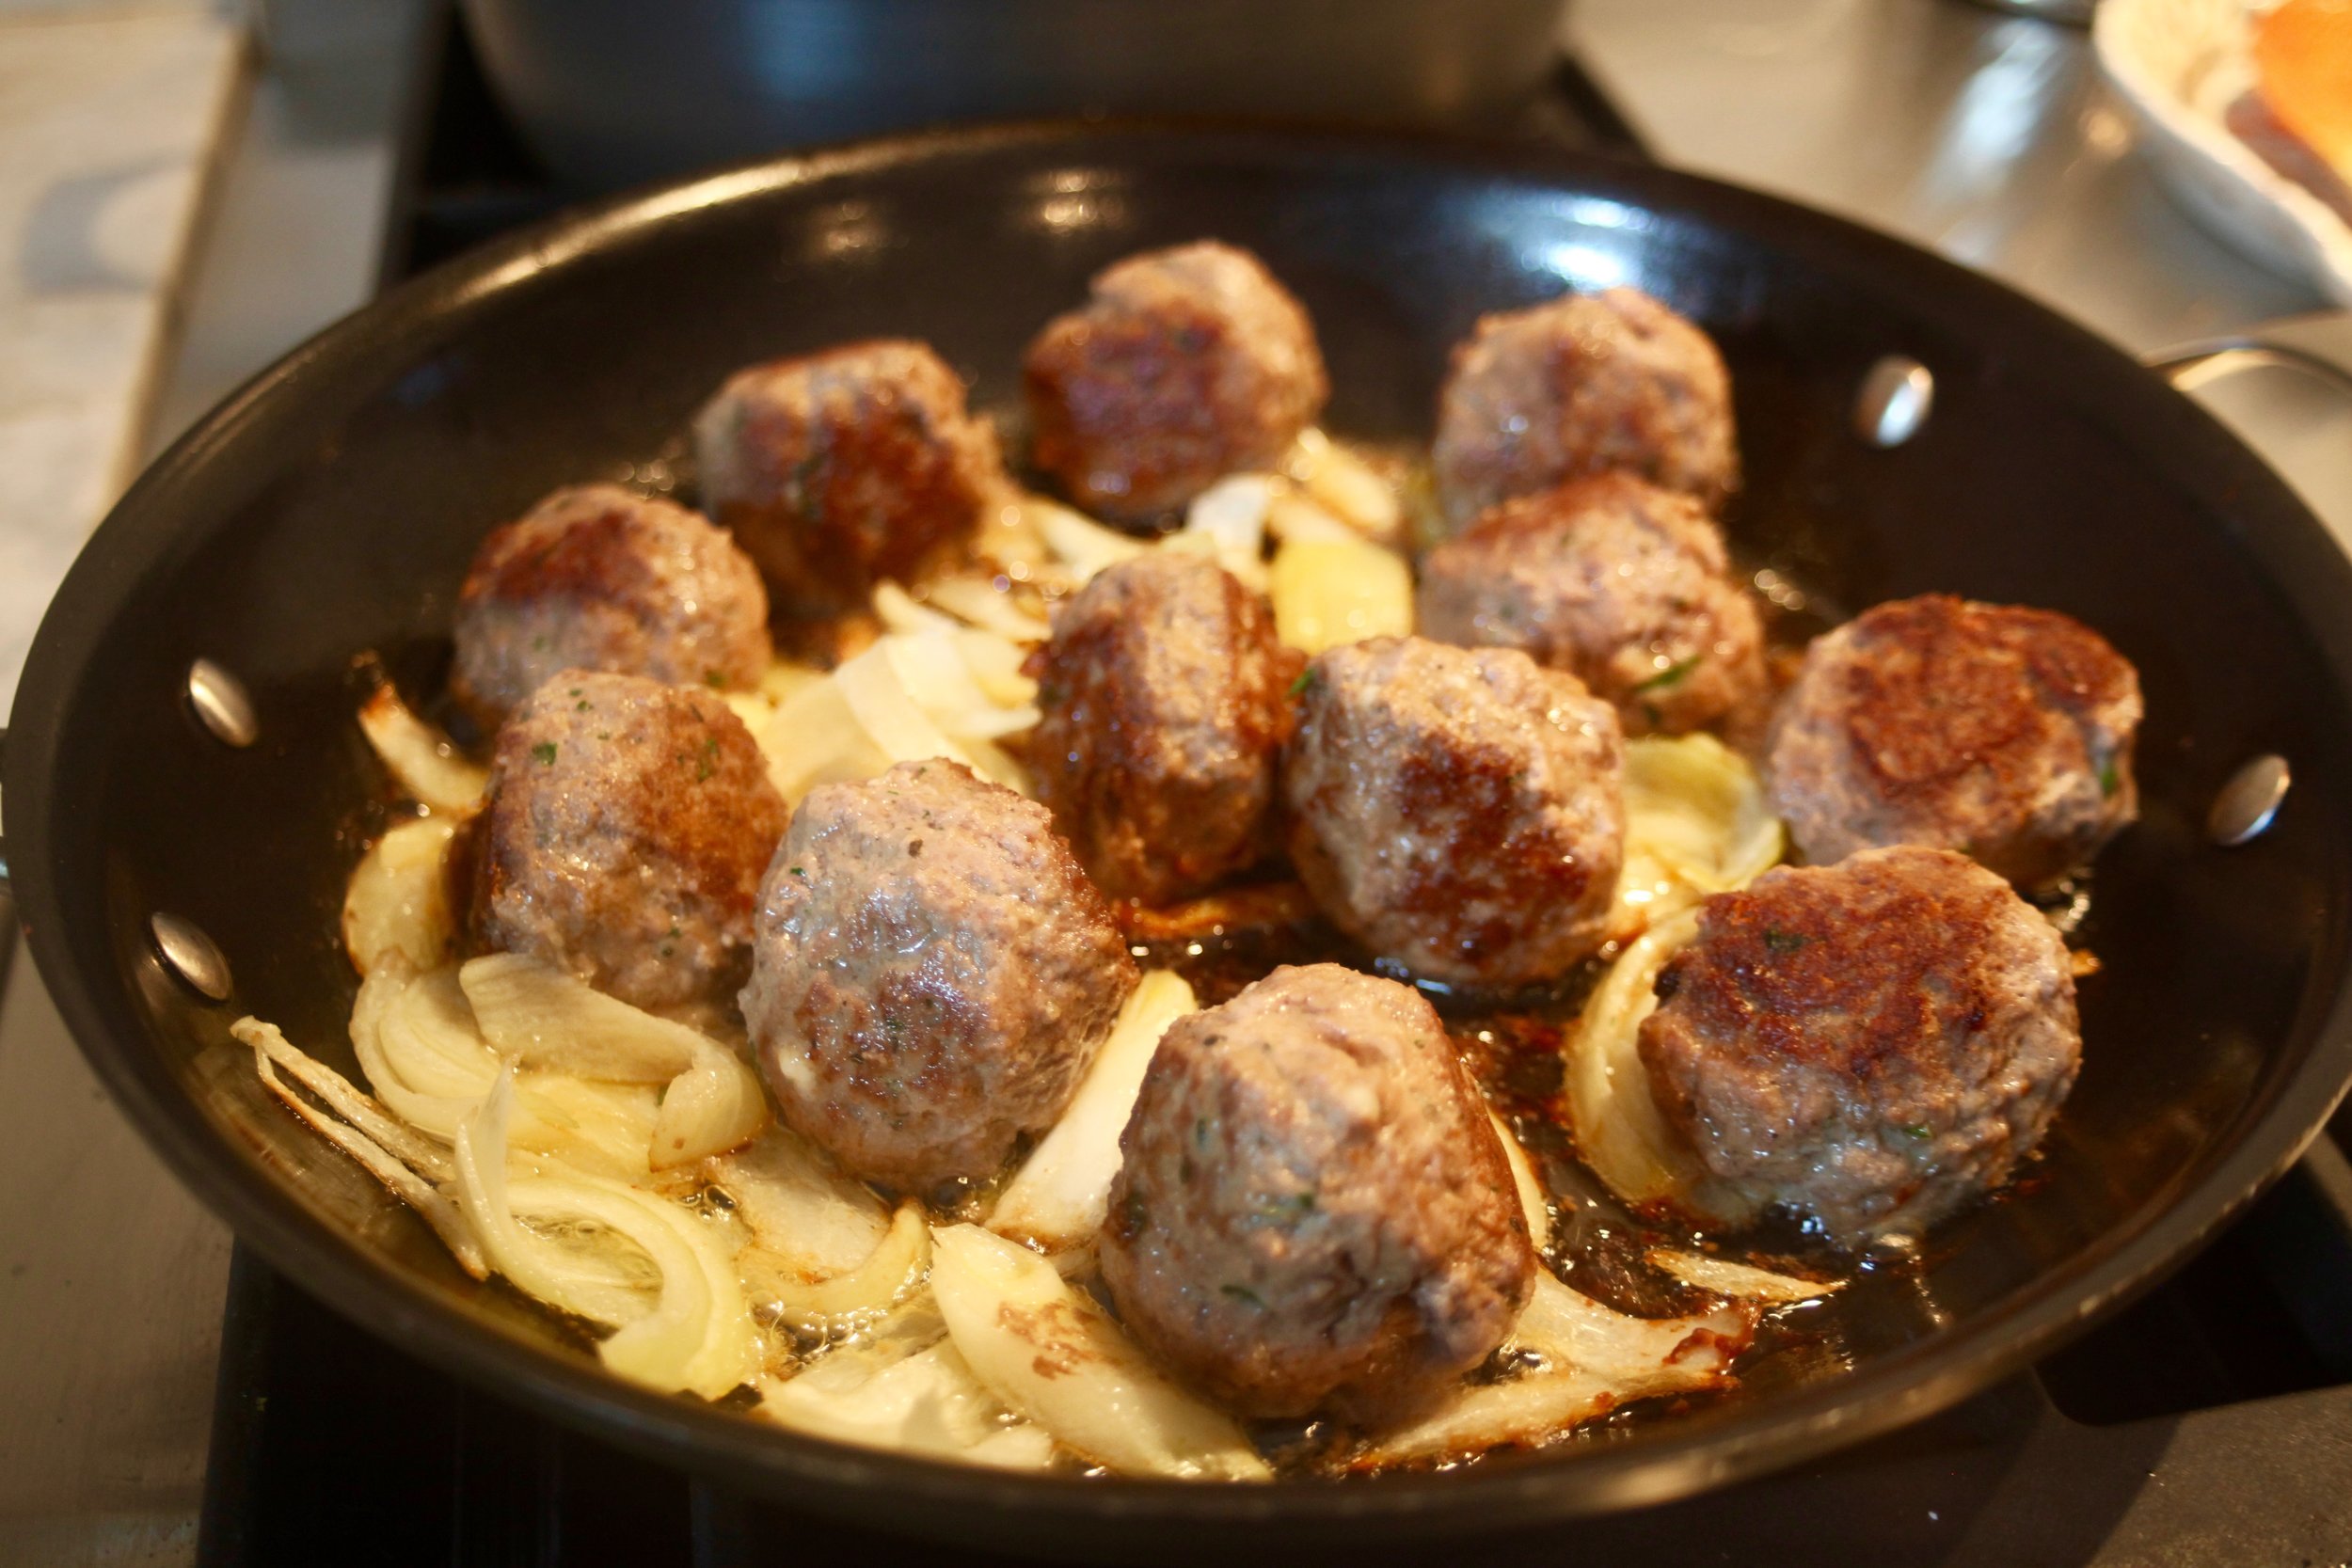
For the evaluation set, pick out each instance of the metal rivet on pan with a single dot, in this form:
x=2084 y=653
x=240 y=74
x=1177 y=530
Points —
x=2250 y=800
x=1894 y=401
x=219 y=700
x=190 y=954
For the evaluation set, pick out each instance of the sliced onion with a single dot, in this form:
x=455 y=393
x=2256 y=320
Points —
x=397 y=902
x=713 y=1106
x=1062 y=1190
x=1739 y=1281
x=784 y=677
x=1330 y=592
x=1696 y=822
x=1227 y=520
x=844 y=1301
x=815 y=738
x=899 y=612
x=415 y=1037
x=926 y=1403
x=931 y=668
x=1051 y=1353
x=798 y=1207
x=697 y=1337
x=755 y=710
x=1345 y=483
x=1532 y=1204
x=535 y=1015
x=1593 y=1359
x=1619 y=1131
x=1078 y=542
x=980 y=601
x=603 y=1129
x=884 y=710
x=427 y=766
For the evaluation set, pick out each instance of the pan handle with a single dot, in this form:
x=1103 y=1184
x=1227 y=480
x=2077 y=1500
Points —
x=4 y=845
x=2191 y=365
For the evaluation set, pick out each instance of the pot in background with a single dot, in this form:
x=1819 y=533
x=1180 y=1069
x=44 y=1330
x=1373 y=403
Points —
x=612 y=93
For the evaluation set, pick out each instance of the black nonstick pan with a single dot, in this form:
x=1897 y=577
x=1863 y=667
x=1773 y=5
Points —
x=330 y=507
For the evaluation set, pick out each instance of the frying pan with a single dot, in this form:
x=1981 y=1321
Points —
x=331 y=506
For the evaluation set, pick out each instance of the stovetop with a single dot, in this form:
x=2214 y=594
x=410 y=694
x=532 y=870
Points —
x=2209 y=1423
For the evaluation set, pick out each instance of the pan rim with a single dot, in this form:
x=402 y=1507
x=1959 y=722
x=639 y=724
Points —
x=1896 y=1389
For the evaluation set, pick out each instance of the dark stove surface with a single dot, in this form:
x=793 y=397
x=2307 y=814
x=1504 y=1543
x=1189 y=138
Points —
x=2211 y=1423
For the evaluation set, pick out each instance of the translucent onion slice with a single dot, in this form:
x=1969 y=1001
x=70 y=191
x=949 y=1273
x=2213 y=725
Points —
x=1592 y=1360
x=980 y=601
x=713 y=1106
x=1227 y=520
x=1697 y=823
x=397 y=902
x=603 y=1129
x=845 y=1301
x=1062 y=1190
x=1345 y=483
x=1739 y=1281
x=995 y=664
x=1532 y=1204
x=1078 y=542
x=1618 y=1128
x=927 y=1403
x=1051 y=1353
x=697 y=1337
x=427 y=766
x=798 y=1207
x=755 y=710
x=815 y=738
x=898 y=611
x=535 y=1015
x=416 y=1041
x=931 y=668
x=1330 y=592
x=899 y=727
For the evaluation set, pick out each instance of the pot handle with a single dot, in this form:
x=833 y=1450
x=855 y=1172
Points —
x=2191 y=365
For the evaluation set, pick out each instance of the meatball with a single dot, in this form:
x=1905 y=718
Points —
x=1459 y=811
x=1872 y=1043
x=841 y=468
x=1166 y=701
x=1314 y=1214
x=1622 y=583
x=623 y=837
x=1183 y=366
x=1584 y=385
x=595 y=577
x=2003 y=732
x=932 y=974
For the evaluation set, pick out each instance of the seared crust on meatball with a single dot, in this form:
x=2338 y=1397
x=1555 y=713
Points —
x=1457 y=810
x=1183 y=366
x=934 y=974
x=2001 y=732
x=840 y=469
x=595 y=578
x=623 y=837
x=1585 y=385
x=1622 y=583
x=1314 y=1214
x=1164 y=696
x=1872 y=1043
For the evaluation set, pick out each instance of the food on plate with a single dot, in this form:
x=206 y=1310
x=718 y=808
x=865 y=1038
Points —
x=2299 y=115
x=623 y=837
x=932 y=974
x=1623 y=585
x=1314 y=1214
x=598 y=577
x=1998 y=731
x=1184 y=365
x=1164 y=699
x=1586 y=384
x=1871 y=1043
x=839 y=469
x=1456 y=810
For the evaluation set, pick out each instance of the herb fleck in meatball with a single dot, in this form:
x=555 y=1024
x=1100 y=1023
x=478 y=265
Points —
x=1585 y=385
x=1314 y=1214
x=934 y=974
x=1872 y=1043
x=623 y=836
x=1622 y=583
x=841 y=468
x=1165 y=703
x=2003 y=732
x=1183 y=366
x=595 y=577
x=1457 y=810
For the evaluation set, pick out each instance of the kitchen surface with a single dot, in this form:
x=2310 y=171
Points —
x=186 y=191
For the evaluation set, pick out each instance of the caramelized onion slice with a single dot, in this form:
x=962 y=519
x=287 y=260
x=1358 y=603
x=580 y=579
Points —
x=1532 y=1204
x=1696 y=822
x=536 y=1016
x=1739 y=1281
x=1051 y=1353
x=397 y=903
x=715 y=1106
x=424 y=760
x=910 y=1400
x=798 y=1207
x=845 y=1301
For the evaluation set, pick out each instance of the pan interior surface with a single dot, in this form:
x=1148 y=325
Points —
x=333 y=506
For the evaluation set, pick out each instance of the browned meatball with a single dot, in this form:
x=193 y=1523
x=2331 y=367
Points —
x=1459 y=811
x=841 y=468
x=2003 y=732
x=1183 y=366
x=1872 y=1043
x=1584 y=385
x=1166 y=701
x=1622 y=583
x=932 y=976
x=623 y=836
x=595 y=577
x=1314 y=1214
